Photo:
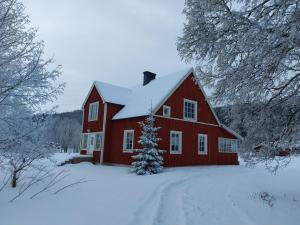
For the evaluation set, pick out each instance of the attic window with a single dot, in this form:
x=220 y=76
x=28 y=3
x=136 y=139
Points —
x=93 y=111
x=166 y=111
x=190 y=110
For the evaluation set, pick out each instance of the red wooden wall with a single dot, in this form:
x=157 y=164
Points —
x=93 y=126
x=190 y=131
x=189 y=90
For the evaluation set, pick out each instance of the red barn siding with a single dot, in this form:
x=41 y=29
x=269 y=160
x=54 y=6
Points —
x=112 y=109
x=207 y=124
x=190 y=133
x=115 y=153
x=93 y=126
x=189 y=90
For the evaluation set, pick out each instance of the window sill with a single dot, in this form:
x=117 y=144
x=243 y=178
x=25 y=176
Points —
x=202 y=153
x=92 y=120
x=190 y=120
x=127 y=151
x=175 y=153
x=228 y=152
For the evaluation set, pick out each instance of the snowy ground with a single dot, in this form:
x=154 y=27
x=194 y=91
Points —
x=208 y=195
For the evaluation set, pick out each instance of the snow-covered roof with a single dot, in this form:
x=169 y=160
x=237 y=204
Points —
x=143 y=98
x=139 y=100
x=112 y=93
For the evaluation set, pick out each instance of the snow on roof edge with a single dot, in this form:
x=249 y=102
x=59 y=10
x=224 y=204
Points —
x=167 y=84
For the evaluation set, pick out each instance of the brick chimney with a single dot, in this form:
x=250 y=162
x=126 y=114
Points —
x=148 y=76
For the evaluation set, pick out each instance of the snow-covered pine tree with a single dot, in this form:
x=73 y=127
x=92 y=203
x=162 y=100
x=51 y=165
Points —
x=149 y=159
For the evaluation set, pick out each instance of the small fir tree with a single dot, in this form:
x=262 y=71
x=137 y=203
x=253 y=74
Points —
x=149 y=159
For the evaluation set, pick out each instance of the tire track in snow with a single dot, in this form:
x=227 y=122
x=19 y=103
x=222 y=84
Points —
x=155 y=209
x=207 y=206
x=173 y=203
x=242 y=215
x=144 y=211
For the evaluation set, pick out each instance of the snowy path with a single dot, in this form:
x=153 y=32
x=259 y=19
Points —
x=185 y=201
x=204 y=195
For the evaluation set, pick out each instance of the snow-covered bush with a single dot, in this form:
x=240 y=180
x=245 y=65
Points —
x=26 y=143
x=149 y=159
x=65 y=132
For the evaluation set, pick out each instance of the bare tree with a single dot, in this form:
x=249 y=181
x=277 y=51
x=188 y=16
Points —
x=65 y=132
x=249 y=52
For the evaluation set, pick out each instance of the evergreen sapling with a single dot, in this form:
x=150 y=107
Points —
x=149 y=159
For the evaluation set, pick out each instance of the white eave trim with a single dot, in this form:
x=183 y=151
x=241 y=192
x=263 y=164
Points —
x=232 y=132
x=162 y=102
x=88 y=95
x=178 y=85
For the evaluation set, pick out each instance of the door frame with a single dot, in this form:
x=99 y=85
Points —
x=91 y=148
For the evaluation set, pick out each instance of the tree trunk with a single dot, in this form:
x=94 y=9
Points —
x=14 y=180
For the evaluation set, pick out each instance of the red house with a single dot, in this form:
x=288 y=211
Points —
x=190 y=130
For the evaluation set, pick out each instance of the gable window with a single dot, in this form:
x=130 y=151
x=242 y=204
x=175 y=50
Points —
x=128 y=140
x=166 y=111
x=190 y=110
x=84 y=141
x=175 y=142
x=227 y=145
x=99 y=141
x=202 y=144
x=93 y=111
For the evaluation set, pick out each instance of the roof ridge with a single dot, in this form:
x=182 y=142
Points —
x=106 y=83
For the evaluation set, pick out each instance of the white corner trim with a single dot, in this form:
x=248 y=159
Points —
x=180 y=142
x=103 y=130
x=232 y=132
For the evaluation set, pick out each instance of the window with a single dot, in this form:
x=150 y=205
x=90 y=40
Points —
x=93 y=111
x=128 y=140
x=190 y=110
x=99 y=140
x=227 y=145
x=202 y=144
x=166 y=111
x=84 y=141
x=175 y=142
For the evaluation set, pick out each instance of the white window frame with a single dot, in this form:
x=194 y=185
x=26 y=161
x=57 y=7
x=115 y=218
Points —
x=101 y=141
x=195 y=109
x=168 y=108
x=89 y=135
x=83 y=135
x=231 y=145
x=90 y=111
x=125 y=149
x=180 y=142
x=205 y=144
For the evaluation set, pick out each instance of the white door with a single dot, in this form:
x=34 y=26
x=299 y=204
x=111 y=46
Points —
x=92 y=143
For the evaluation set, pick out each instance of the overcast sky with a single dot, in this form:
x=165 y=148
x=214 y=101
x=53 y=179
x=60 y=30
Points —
x=113 y=41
